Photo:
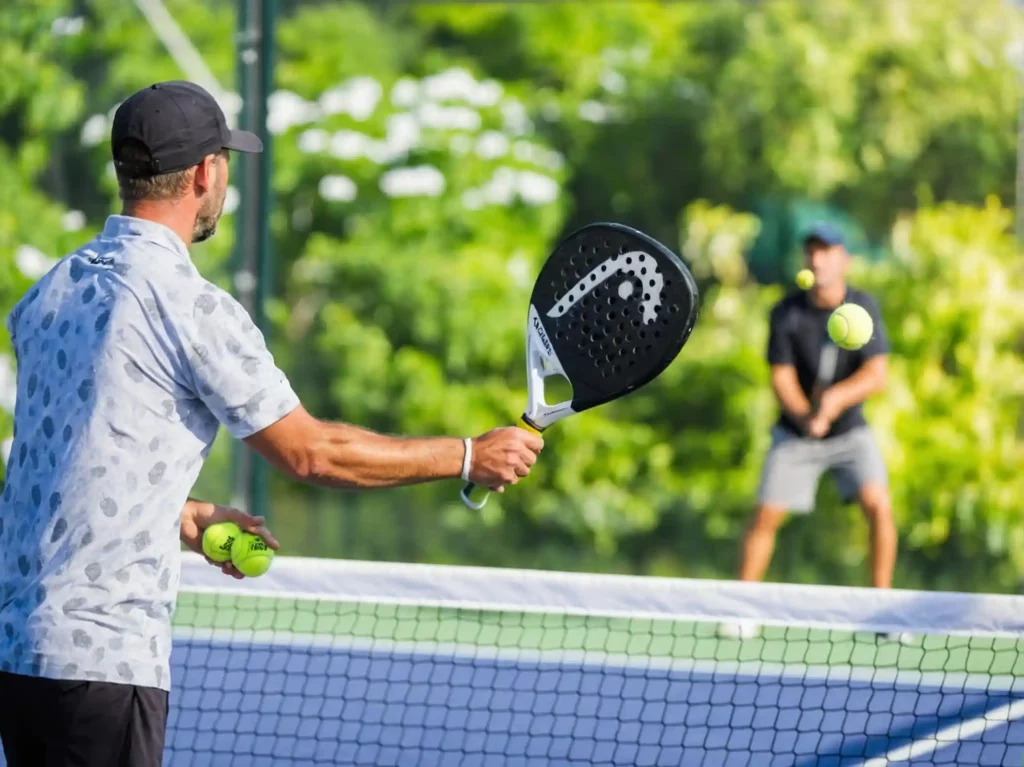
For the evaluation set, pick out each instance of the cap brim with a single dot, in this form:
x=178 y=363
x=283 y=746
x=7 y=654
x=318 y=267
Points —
x=827 y=238
x=244 y=141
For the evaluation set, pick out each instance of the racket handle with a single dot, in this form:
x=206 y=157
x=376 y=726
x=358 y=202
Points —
x=474 y=496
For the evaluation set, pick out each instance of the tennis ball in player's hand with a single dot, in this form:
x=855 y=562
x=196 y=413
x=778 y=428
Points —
x=218 y=539
x=850 y=326
x=805 y=279
x=251 y=555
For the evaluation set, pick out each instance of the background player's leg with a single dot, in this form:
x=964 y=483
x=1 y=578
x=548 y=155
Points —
x=874 y=500
x=861 y=475
x=789 y=481
x=759 y=541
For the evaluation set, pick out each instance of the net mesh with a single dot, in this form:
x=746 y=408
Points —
x=327 y=662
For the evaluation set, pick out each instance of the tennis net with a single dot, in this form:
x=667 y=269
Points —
x=357 y=663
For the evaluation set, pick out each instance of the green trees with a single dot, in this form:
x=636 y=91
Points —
x=427 y=157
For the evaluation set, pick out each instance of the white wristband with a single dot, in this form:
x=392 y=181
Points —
x=467 y=459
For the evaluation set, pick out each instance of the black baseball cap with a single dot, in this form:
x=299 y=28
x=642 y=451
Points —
x=178 y=123
x=823 y=231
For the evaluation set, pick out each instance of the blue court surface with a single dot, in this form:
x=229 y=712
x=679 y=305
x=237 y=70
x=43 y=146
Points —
x=287 y=704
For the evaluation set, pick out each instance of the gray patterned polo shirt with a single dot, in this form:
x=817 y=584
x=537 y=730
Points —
x=128 y=361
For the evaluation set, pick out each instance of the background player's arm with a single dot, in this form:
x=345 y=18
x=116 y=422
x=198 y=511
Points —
x=343 y=456
x=869 y=379
x=782 y=359
x=791 y=397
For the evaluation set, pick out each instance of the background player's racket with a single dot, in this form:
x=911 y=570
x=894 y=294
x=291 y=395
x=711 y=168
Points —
x=827 y=360
x=826 y=368
x=610 y=310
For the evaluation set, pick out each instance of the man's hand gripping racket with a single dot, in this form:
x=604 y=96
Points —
x=611 y=309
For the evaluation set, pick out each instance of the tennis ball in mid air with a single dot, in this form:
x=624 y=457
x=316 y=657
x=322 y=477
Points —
x=251 y=555
x=805 y=279
x=218 y=539
x=850 y=326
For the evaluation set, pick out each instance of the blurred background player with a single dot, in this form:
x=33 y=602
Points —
x=821 y=425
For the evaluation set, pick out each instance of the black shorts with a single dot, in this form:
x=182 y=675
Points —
x=51 y=722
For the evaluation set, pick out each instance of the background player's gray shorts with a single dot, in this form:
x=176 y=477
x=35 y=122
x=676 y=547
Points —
x=795 y=464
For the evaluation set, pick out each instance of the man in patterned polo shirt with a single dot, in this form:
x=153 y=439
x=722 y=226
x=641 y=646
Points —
x=128 y=362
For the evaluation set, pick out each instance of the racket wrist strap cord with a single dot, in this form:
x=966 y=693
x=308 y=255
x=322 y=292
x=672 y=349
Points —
x=467 y=459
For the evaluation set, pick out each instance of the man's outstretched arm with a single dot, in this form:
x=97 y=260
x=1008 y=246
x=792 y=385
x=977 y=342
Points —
x=340 y=455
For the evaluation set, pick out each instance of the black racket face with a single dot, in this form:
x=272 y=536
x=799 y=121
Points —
x=617 y=306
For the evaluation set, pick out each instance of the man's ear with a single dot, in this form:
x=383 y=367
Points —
x=203 y=180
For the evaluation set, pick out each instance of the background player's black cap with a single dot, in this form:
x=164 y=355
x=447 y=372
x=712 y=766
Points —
x=823 y=231
x=178 y=123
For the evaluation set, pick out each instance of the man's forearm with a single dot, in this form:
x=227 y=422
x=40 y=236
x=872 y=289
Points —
x=790 y=396
x=346 y=456
x=854 y=390
x=794 y=404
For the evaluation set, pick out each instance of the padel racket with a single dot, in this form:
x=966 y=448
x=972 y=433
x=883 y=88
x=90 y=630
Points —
x=826 y=369
x=610 y=310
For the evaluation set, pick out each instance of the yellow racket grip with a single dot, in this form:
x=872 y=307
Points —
x=474 y=496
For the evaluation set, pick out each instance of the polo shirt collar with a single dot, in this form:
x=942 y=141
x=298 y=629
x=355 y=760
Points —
x=118 y=226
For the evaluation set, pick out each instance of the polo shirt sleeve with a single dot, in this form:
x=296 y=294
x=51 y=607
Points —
x=232 y=370
x=879 y=343
x=780 y=341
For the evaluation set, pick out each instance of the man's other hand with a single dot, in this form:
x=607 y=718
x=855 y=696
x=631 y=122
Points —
x=199 y=515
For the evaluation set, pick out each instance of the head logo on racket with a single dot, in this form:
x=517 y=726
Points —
x=610 y=310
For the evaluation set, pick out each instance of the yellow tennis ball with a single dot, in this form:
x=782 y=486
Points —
x=218 y=538
x=251 y=555
x=805 y=279
x=850 y=326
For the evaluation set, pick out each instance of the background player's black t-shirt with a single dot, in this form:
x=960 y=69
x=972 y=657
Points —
x=798 y=331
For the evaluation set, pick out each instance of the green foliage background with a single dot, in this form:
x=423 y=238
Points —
x=720 y=128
